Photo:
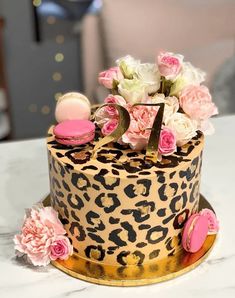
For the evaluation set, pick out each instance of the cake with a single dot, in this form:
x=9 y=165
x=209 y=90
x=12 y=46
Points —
x=125 y=177
x=116 y=208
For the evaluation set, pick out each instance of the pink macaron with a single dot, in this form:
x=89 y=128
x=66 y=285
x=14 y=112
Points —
x=195 y=233
x=74 y=132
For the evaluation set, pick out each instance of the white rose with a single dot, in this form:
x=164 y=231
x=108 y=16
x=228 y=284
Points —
x=189 y=75
x=183 y=126
x=149 y=75
x=132 y=90
x=128 y=66
x=171 y=105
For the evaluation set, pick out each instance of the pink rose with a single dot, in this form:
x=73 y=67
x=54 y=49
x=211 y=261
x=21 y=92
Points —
x=142 y=118
x=167 y=142
x=61 y=248
x=39 y=231
x=109 y=126
x=197 y=103
x=169 y=64
x=115 y=99
x=212 y=220
x=107 y=77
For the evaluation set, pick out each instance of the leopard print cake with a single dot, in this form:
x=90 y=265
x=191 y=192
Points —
x=119 y=209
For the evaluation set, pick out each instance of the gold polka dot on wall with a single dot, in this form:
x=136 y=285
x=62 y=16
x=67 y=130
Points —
x=57 y=95
x=51 y=20
x=37 y=3
x=59 y=39
x=45 y=110
x=57 y=76
x=32 y=108
x=59 y=57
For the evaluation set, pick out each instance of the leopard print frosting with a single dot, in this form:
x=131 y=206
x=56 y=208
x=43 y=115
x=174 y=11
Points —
x=119 y=209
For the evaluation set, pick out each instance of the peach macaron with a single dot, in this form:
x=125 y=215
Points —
x=72 y=106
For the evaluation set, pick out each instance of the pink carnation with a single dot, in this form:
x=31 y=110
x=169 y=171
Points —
x=197 y=103
x=39 y=231
x=114 y=99
x=107 y=77
x=109 y=126
x=61 y=248
x=167 y=142
x=169 y=64
x=212 y=220
x=142 y=118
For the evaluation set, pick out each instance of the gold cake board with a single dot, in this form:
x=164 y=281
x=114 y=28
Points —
x=127 y=276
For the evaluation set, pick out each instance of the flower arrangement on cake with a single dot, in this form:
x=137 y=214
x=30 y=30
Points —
x=172 y=81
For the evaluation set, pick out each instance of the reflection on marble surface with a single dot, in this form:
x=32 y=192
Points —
x=24 y=181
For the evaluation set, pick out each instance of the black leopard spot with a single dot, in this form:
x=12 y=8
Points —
x=132 y=176
x=172 y=174
x=89 y=168
x=161 y=177
x=64 y=207
x=96 y=187
x=86 y=196
x=142 y=188
x=62 y=170
x=183 y=185
x=108 y=156
x=53 y=165
x=144 y=227
x=135 y=258
x=78 y=155
x=77 y=230
x=64 y=221
x=68 y=167
x=74 y=216
x=110 y=252
x=95 y=252
x=171 y=253
x=178 y=203
x=134 y=165
x=194 y=192
x=80 y=181
x=75 y=201
x=156 y=234
x=92 y=230
x=94 y=220
x=114 y=237
x=109 y=203
x=141 y=244
x=191 y=171
x=144 y=173
x=66 y=187
x=75 y=250
x=154 y=254
x=181 y=219
x=55 y=182
x=96 y=238
x=113 y=220
x=58 y=154
x=171 y=188
x=115 y=172
x=108 y=182
x=161 y=212
x=113 y=247
x=131 y=232
x=59 y=194
x=168 y=219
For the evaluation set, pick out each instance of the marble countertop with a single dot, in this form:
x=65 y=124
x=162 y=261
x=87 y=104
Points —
x=24 y=181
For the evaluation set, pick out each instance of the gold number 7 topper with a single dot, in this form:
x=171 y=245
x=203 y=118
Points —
x=124 y=123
